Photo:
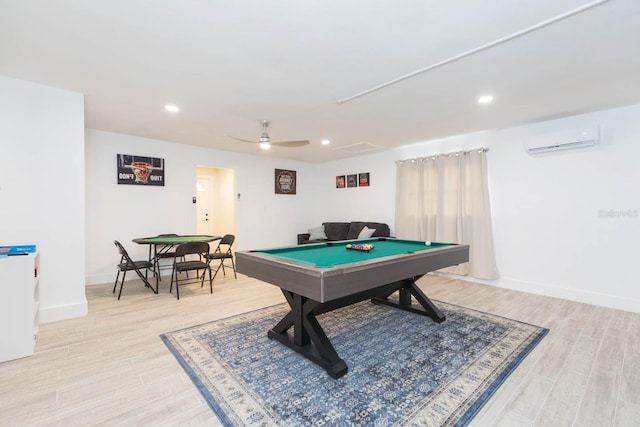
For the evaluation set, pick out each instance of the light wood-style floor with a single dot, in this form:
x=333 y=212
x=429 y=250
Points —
x=111 y=368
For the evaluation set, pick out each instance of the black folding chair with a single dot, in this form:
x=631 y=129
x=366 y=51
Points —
x=222 y=253
x=201 y=249
x=127 y=264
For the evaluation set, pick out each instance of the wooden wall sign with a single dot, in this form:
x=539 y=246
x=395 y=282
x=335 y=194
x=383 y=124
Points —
x=285 y=181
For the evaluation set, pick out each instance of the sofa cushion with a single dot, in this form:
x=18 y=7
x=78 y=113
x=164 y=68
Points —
x=336 y=230
x=317 y=233
x=382 y=230
x=366 y=232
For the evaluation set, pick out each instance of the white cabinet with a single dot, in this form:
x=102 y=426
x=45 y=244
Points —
x=19 y=305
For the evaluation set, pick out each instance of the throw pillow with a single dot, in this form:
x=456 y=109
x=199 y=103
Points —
x=317 y=233
x=366 y=233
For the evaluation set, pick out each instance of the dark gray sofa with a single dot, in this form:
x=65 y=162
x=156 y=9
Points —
x=345 y=231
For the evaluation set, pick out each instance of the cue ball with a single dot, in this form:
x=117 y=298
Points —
x=428 y=243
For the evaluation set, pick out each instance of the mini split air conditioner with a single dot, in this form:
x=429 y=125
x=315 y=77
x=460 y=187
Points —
x=563 y=140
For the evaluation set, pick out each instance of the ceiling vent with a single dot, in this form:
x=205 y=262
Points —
x=360 y=147
x=563 y=140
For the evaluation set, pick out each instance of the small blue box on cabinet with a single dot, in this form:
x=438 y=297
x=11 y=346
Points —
x=17 y=249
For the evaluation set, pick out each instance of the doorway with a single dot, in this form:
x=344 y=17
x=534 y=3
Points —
x=216 y=204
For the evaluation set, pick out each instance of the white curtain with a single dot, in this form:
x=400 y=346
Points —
x=445 y=198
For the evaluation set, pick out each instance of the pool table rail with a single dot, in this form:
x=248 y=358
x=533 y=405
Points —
x=329 y=283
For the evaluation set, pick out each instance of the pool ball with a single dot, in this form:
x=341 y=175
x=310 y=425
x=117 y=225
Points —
x=428 y=243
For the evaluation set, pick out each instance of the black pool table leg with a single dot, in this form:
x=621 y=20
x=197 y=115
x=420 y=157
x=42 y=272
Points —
x=409 y=289
x=430 y=308
x=308 y=338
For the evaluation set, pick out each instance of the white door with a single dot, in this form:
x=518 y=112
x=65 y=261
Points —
x=205 y=205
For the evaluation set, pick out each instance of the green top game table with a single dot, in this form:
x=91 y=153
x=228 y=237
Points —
x=175 y=240
x=160 y=245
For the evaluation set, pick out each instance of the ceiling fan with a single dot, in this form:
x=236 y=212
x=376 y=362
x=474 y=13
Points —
x=265 y=141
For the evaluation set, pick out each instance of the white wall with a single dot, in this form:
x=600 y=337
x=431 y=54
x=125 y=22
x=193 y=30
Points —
x=42 y=188
x=124 y=212
x=551 y=232
x=375 y=203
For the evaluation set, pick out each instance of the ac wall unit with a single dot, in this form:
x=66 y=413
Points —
x=563 y=140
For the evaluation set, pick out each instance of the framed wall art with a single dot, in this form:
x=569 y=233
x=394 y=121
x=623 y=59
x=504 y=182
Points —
x=341 y=181
x=285 y=181
x=140 y=170
x=352 y=180
x=363 y=179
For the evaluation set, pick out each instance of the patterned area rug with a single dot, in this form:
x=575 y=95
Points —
x=404 y=369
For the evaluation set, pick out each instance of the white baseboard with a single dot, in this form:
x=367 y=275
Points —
x=572 y=294
x=62 y=312
x=99 y=279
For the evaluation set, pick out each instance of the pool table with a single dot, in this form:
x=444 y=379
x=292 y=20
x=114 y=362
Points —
x=318 y=278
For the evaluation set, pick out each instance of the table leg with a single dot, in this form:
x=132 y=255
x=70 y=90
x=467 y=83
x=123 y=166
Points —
x=156 y=262
x=308 y=338
x=152 y=260
x=404 y=301
x=157 y=256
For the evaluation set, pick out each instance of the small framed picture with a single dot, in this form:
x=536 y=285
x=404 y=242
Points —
x=285 y=181
x=363 y=179
x=340 y=181
x=352 y=180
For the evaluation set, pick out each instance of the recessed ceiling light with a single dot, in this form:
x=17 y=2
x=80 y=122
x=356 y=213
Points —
x=171 y=108
x=326 y=142
x=485 y=99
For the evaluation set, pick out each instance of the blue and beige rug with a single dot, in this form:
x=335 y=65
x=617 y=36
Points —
x=404 y=369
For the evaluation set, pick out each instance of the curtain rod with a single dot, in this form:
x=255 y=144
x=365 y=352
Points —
x=433 y=156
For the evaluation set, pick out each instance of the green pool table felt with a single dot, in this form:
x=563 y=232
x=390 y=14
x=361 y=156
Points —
x=331 y=254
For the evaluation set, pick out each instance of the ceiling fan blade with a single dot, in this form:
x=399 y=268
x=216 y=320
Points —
x=290 y=144
x=264 y=138
x=243 y=140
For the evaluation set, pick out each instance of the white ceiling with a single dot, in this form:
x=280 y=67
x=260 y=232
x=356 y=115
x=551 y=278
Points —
x=228 y=64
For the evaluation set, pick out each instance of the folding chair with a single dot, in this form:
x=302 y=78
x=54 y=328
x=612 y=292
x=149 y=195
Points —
x=127 y=264
x=222 y=253
x=201 y=249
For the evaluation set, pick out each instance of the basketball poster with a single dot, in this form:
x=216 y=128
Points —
x=140 y=170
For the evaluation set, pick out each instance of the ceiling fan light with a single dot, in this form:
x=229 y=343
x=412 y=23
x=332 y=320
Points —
x=264 y=144
x=485 y=99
